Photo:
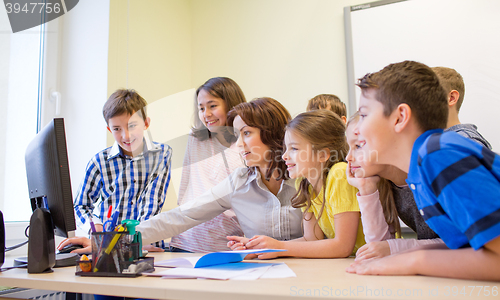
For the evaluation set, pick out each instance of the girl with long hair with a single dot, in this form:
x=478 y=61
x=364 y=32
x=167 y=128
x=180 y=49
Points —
x=315 y=154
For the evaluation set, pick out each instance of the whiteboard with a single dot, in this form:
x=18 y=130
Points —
x=460 y=34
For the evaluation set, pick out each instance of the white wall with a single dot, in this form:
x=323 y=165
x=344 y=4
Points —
x=453 y=35
x=19 y=94
x=290 y=50
x=76 y=66
x=83 y=82
x=172 y=110
x=150 y=51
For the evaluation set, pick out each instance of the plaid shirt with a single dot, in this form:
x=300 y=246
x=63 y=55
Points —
x=135 y=186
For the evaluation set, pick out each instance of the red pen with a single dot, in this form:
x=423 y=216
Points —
x=109 y=211
x=108 y=220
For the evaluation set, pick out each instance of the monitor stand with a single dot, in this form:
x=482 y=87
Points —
x=62 y=260
x=41 y=247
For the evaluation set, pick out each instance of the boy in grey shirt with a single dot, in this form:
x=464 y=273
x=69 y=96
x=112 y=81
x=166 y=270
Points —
x=454 y=86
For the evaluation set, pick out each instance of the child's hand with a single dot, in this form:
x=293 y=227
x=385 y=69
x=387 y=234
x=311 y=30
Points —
x=98 y=227
x=237 y=242
x=397 y=264
x=373 y=250
x=263 y=242
x=85 y=242
x=365 y=185
x=151 y=248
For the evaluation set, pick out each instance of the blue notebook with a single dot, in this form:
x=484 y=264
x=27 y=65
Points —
x=212 y=259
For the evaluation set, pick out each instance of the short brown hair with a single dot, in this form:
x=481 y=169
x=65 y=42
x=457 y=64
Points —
x=412 y=83
x=124 y=101
x=323 y=101
x=223 y=88
x=271 y=118
x=451 y=80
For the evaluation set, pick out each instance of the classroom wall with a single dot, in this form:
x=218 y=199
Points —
x=150 y=51
x=150 y=47
x=82 y=82
x=449 y=37
x=290 y=50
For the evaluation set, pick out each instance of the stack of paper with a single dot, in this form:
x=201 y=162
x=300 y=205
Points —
x=223 y=266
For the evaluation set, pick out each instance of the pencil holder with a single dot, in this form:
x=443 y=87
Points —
x=109 y=249
x=116 y=254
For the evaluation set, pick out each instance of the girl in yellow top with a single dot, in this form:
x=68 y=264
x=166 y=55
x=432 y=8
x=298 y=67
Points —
x=315 y=153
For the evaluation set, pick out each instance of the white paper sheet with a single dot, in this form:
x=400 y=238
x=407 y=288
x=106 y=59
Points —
x=232 y=271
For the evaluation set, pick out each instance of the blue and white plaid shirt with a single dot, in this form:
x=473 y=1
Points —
x=135 y=186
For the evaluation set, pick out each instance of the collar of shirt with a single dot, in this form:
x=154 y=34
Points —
x=148 y=146
x=417 y=154
x=256 y=176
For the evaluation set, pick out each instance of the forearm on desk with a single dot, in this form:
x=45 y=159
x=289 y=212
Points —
x=326 y=248
x=467 y=263
x=400 y=245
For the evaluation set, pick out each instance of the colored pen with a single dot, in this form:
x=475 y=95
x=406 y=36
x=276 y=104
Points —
x=110 y=209
x=114 y=220
x=109 y=248
x=111 y=227
x=92 y=226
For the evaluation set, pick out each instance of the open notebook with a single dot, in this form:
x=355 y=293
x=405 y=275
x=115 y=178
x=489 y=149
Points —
x=211 y=259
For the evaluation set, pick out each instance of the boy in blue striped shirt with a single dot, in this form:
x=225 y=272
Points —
x=132 y=176
x=455 y=181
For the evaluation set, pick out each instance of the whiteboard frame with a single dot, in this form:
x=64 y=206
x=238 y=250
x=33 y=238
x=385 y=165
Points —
x=351 y=80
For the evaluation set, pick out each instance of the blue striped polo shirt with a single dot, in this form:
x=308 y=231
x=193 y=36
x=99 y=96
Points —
x=456 y=185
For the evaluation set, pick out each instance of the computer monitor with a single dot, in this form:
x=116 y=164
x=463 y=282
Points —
x=49 y=186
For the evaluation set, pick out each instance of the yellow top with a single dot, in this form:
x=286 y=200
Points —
x=340 y=197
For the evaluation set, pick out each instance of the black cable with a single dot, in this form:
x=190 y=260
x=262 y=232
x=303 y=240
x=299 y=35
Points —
x=21 y=244
x=15 y=246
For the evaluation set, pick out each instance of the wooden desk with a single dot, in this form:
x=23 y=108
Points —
x=316 y=278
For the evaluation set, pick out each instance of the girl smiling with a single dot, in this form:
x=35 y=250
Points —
x=315 y=151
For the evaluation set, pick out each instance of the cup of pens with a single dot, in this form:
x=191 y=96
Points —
x=117 y=253
x=109 y=249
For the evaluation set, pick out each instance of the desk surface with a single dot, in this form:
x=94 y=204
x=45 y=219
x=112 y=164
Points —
x=320 y=278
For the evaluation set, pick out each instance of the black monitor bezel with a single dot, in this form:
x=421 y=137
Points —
x=47 y=172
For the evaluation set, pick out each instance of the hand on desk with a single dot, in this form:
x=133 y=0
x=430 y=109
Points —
x=373 y=250
x=256 y=242
x=85 y=242
x=238 y=243
x=397 y=264
x=151 y=248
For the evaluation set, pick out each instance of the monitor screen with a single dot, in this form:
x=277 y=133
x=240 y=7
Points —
x=49 y=186
x=47 y=171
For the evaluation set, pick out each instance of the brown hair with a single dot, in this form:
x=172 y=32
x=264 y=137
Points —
x=323 y=129
x=451 y=80
x=412 y=83
x=323 y=101
x=386 y=196
x=124 y=101
x=220 y=87
x=270 y=117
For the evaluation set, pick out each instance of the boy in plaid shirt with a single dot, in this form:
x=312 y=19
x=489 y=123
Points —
x=133 y=175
